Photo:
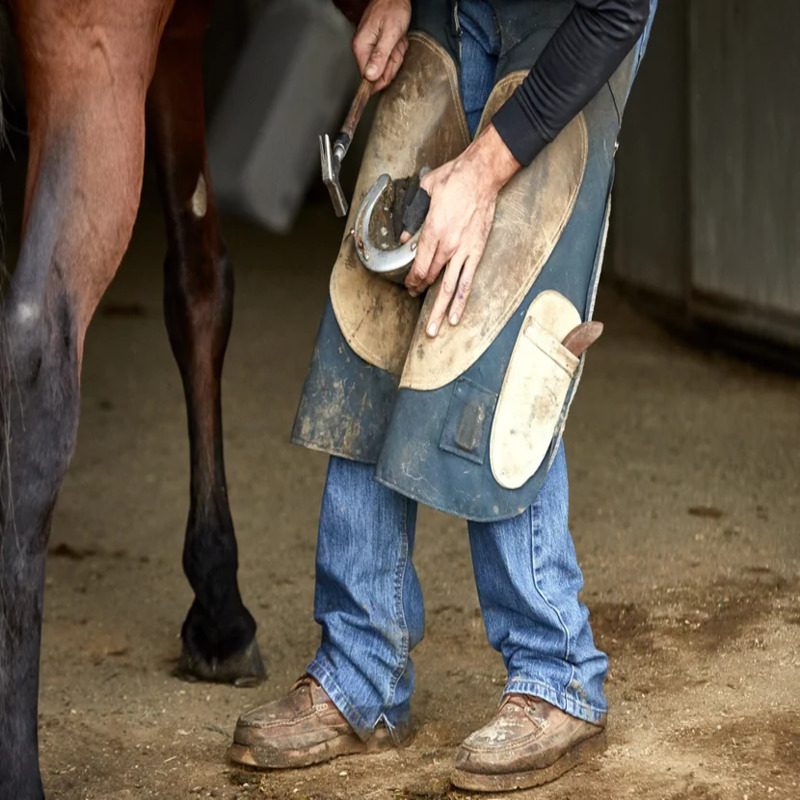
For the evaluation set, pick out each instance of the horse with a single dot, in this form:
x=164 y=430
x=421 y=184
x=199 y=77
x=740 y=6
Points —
x=98 y=75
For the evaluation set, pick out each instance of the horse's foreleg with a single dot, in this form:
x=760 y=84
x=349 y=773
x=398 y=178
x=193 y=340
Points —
x=39 y=389
x=86 y=88
x=219 y=632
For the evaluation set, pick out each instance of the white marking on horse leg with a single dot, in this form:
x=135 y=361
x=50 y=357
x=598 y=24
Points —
x=27 y=312
x=199 y=200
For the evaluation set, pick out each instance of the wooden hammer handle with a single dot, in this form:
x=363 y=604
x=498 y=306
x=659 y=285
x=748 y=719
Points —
x=578 y=340
x=357 y=108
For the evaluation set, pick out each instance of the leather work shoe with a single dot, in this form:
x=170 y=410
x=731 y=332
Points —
x=529 y=742
x=301 y=729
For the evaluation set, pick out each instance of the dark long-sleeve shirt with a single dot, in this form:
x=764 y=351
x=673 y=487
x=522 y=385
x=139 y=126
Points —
x=581 y=56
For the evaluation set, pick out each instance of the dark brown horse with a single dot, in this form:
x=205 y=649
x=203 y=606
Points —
x=95 y=71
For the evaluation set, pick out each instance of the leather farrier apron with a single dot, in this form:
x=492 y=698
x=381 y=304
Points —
x=470 y=421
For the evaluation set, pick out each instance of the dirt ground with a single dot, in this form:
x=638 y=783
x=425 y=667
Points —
x=685 y=510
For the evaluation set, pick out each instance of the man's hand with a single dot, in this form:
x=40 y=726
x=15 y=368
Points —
x=463 y=197
x=380 y=40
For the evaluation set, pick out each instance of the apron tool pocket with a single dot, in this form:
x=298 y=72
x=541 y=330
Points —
x=534 y=390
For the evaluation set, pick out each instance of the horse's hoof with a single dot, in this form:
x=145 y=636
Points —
x=243 y=669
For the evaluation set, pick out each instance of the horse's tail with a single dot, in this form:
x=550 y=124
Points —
x=3 y=142
x=4 y=33
x=5 y=512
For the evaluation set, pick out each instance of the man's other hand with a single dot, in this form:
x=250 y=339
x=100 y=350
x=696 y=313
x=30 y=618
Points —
x=380 y=40
x=463 y=197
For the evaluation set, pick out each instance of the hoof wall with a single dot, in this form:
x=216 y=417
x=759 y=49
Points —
x=243 y=669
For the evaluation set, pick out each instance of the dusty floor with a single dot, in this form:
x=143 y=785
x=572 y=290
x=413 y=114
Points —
x=685 y=511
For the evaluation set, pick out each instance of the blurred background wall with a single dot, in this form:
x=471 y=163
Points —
x=707 y=198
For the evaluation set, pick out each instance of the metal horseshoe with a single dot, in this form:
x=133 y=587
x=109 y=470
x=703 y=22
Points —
x=392 y=264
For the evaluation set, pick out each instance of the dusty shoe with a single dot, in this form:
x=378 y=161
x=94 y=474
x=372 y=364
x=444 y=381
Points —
x=529 y=742
x=301 y=729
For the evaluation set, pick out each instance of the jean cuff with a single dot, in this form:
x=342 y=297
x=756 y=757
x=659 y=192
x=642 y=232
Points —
x=397 y=720
x=567 y=701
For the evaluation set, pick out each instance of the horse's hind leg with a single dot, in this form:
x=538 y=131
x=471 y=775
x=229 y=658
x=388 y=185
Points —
x=86 y=87
x=219 y=632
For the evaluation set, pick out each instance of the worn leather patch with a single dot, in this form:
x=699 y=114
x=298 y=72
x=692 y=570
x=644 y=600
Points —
x=419 y=122
x=532 y=211
x=534 y=390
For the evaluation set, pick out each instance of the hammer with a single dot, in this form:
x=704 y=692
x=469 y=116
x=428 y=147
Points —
x=331 y=156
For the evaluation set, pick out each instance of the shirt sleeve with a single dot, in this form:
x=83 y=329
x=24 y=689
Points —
x=580 y=57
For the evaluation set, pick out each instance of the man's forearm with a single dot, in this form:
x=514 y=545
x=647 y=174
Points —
x=582 y=55
x=492 y=158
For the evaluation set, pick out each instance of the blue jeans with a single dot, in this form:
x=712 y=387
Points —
x=368 y=599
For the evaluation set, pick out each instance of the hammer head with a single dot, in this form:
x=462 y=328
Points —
x=331 y=162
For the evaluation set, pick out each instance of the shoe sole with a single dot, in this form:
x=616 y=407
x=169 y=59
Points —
x=274 y=758
x=507 y=782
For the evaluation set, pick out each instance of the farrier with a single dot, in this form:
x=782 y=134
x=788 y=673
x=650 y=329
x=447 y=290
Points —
x=457 y=396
